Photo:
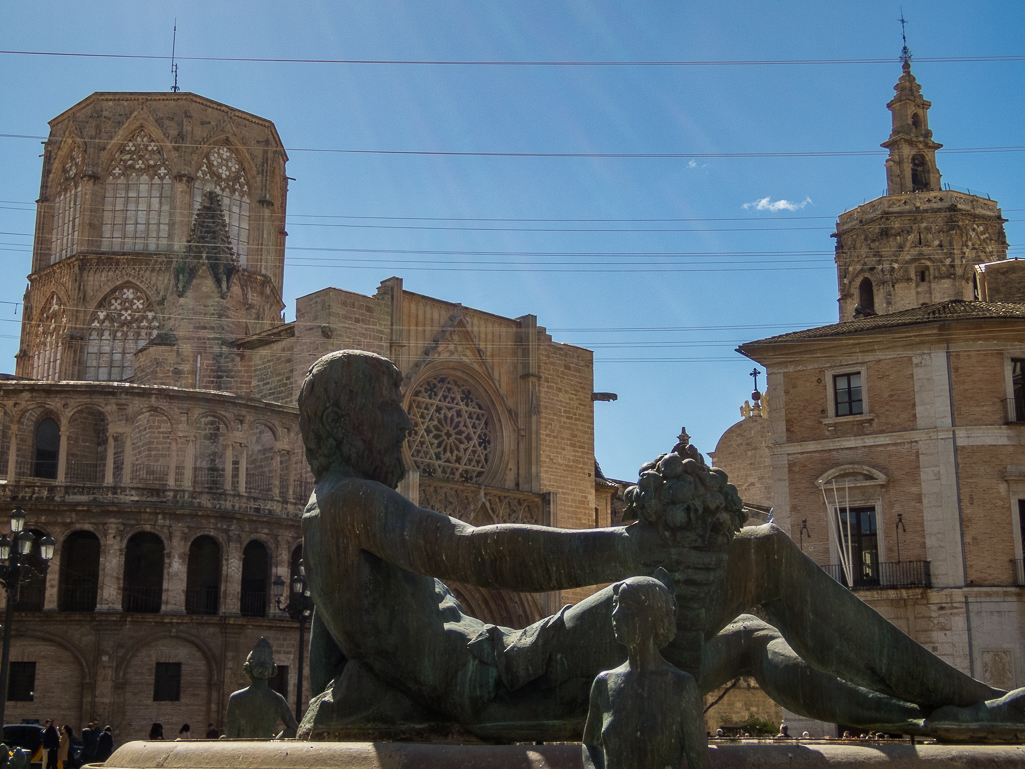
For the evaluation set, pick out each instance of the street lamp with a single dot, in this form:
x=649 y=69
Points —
x=298 y=607
x=14 y=571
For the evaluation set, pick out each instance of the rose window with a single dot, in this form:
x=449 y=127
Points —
x=452 y=436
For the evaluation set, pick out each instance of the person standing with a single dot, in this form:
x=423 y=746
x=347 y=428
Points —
x=90 y=737
x=105 y=744
x=211 y=732
x=185 y=733
x=51 y=744
x=156 y=732
x=63 y=746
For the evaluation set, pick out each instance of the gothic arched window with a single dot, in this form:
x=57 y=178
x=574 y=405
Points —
x=46 y=355
x=866 y=295
x=66 y=207
x=452 y=436
x=919 y=173
x=137 y=198
x=124 y=322
x=222 y=173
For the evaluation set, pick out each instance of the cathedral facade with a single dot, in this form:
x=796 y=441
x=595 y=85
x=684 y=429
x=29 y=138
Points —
x=151 y=429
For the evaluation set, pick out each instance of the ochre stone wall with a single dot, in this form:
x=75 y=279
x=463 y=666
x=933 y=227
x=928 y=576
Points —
x=743 y=452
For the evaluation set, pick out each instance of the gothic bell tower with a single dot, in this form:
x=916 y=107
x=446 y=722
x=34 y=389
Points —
x=919 y=243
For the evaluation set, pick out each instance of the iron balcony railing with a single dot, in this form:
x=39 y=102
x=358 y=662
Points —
x=892 y=574
x=141 y=599
x=79 y=596
x=85 y=472
x=202 y=600
x=253 y=603
x=1015 y=411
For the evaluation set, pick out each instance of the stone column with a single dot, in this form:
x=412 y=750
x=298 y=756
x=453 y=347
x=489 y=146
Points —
x=231 y=582
x=108 y=468
x=243 y=457
x=108 y=597
x=52 y=579
x=175 y=570
x=12 y=456
x=62 y=453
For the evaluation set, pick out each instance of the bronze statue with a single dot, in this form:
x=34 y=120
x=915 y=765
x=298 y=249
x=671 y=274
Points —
x=254 y=712
x=390 y=645
x=645 y=714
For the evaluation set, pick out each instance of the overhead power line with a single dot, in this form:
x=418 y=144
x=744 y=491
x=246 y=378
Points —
x=509 y=63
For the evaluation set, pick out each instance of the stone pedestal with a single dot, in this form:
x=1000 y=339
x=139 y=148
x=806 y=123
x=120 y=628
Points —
x=791 y=754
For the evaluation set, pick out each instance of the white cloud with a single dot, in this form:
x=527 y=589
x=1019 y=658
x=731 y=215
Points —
x=692 y=164
x=767 y=204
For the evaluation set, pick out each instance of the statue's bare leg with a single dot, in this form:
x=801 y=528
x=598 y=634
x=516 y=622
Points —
x=831 y=628
x=749 y=646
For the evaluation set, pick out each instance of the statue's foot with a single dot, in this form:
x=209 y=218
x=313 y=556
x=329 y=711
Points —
x=998 y=720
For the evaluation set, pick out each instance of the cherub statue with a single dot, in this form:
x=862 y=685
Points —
x=645 y=714
x=254 y=712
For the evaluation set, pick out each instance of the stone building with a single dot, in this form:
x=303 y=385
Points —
x=897 y=436
x=151 y=427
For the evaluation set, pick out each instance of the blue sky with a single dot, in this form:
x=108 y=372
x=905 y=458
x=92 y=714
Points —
x=661 y=265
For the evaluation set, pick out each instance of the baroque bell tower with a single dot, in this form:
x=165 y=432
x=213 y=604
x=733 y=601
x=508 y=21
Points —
x=919 y=243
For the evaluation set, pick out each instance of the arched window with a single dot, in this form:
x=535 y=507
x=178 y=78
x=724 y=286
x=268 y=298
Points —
x=48 y=342
x=48 y=445
x=260 y=460
x=137 y=198
x=32 y=593
x=919 y=173
x=255 y=577
x=452 y=431
x=143 y=583
x=79 y=572
x=124 y=322
x=203 y=579
x=221 y=172
x=916 y=122
x=866 y=295
x=209 y=471
x=66 y=207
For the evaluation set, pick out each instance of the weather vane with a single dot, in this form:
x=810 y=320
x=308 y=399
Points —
x=174 y=67
x=905 y=54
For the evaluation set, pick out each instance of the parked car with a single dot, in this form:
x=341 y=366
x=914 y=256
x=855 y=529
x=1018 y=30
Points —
x=30 y=737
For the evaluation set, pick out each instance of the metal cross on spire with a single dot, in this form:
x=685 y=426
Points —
x=905 y=54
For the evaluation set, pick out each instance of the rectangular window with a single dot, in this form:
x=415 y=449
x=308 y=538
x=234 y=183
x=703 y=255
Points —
x=167 y=682
x=860 y=541
x=22 y=682
x=847 y=390
x=279 y=682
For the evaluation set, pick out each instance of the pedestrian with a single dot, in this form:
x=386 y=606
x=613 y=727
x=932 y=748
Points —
x=51 y=744
x=90 y=737
x=156 y=732
x=185 y=733
x=211 y=732
x=63 y=746
x=105 y=744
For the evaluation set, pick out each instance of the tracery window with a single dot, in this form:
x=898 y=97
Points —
x=66 y=206
x=222 y=172
x=46 y=356
x=124 y=322
x=452 y=437
x=137 y=198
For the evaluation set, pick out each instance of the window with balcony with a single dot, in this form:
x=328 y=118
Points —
x=847 y=394
x=255 y=579
x=203 y=579
x=143 y=584
x=79 y=572
x=48 y=445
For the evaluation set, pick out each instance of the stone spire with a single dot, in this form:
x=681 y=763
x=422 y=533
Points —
x=911 y=166
x=209 y=245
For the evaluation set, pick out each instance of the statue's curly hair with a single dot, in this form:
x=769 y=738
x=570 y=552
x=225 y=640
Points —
x=689 y=503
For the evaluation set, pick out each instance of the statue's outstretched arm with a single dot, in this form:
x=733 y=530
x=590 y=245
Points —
x=511 y=556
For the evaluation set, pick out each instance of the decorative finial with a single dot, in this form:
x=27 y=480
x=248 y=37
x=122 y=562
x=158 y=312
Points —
x=174 y=67
x=905 y=54
x=755 y=395
x=683 y=437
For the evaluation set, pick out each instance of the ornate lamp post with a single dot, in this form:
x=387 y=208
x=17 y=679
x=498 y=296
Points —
x=14 y=571
x=298 y=607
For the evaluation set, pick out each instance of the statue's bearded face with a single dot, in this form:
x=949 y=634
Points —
x=386 y=426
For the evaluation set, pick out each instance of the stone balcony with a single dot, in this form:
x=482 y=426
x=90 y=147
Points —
x=917 y=202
